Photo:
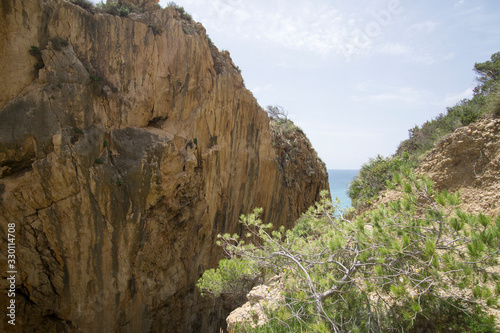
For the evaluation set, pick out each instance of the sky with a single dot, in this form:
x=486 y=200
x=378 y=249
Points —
x=354 y=75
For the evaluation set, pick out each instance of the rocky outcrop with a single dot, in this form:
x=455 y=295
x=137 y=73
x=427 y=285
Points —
x=126 y=145
x=468 y=161
x=262 y=298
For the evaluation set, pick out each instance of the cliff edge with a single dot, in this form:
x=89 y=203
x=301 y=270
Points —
x=126 y=145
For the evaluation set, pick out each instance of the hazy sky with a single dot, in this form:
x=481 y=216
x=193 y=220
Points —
x=354 y=75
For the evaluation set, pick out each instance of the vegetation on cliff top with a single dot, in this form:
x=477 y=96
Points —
x=373 y=175
x=287 y=140
x=417 y=264
x=280 y=124
x=122 y=7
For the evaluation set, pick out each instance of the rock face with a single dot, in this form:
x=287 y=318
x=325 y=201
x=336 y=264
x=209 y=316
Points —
x=468 y=160
x=126 y=145
x=261 y=298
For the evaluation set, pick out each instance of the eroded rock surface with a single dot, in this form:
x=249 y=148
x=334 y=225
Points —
x=126 y=145
x=262 y=298
x=468 y=161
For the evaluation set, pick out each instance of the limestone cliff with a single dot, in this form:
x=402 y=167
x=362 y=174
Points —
x=126 y=145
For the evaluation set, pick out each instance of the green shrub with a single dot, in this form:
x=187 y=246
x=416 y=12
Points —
x=180 y=10
x=373 y=178
x=417 y=264
x=155 y=29
x=38 y=65
x=232 y=278
x=285 y=126
x=35 y=51
x=450 y=315
x=189 y=29
x=97 y=83
x=98 y=161
x=58 y=43
x=85 y=4
x=118 y=8
x=277 y=112
x=488 y=74
x=95 y=78
x=186 y=16
x=493 y=101
x=495 y=108
x=78 y=130
x=280 y=124
x=124 y=11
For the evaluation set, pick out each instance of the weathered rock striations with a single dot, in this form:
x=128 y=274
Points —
x=126 y=145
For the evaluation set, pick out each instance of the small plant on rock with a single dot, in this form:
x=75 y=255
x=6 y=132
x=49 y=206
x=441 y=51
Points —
x=78 y=130
x=155 y=29
x=37 y=53
x=180 y=10
x=58 y=43
x=85 y=4
x=122 y=8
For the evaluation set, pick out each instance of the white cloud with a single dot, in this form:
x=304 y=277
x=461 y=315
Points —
x=325 y=28
x=449 y=56
x=422 y=58
x=346 y=134
x=407 y=53
x=426 y=26
x=452 y=99
x=259 y=88
x=371 y=93
x=411 y=55
x=405 y=95
x=363 y=86
x=394 y=49
x=293 y=25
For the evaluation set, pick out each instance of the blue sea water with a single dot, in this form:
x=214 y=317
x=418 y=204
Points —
x=339 y=182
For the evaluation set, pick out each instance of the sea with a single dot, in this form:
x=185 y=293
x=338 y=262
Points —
x=339 y=182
